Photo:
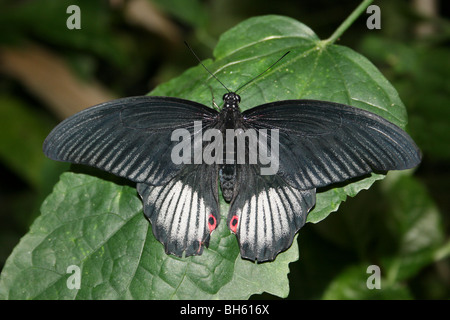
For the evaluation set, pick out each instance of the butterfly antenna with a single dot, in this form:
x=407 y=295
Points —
x=189 y=47
x=259 y=75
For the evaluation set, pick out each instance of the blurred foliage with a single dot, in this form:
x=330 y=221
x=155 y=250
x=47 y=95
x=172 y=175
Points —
x=401 y=224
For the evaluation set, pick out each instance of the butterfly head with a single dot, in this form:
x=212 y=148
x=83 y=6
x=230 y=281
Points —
x=231 y=100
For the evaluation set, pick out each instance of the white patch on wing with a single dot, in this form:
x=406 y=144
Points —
x=194 y=219
x=265 y=223
x=180 y=218
x=178 y=214
x=251 y=228
x=169 y=205
x=278 y=214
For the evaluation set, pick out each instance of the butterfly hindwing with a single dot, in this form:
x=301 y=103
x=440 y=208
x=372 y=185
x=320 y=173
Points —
x=185 y=211
x=128 y=137
x=266 y=213
x=321 y=142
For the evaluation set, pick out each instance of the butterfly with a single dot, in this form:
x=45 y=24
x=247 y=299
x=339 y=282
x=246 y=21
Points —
x=317 y=143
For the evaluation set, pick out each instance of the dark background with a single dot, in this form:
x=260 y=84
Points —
x=125 y=48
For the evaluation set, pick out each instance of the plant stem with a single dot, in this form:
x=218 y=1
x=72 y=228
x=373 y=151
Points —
x=348 y=22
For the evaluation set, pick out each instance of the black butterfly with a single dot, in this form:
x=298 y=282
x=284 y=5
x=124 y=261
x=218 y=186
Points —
x=320 y=143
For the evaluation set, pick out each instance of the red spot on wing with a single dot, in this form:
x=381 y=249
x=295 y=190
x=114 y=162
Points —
x=212 y=223
x=234 y=223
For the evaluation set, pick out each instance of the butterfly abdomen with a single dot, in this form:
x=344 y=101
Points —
x=227 y=178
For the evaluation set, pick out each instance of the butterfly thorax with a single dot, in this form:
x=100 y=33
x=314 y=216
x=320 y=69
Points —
x=230 y=118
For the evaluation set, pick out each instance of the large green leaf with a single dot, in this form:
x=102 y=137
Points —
x=99 y=226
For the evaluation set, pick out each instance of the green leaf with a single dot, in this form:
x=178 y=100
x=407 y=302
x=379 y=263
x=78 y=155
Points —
x=99 y=226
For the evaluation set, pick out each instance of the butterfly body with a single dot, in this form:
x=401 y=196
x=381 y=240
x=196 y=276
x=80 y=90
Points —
x=230 y=118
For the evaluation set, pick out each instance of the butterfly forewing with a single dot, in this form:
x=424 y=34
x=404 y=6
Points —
x=324 y=142
x=128 y=137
